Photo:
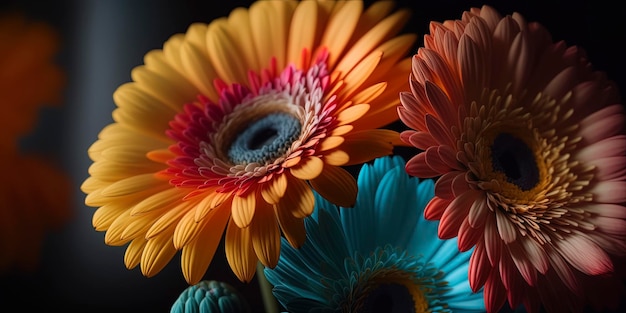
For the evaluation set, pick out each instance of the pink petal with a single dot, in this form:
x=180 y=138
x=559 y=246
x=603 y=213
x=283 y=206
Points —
x=468 y=236
x=439 y=130
x=455 y=214
x=564 y=272
x=611 y=168
x=443 y=185
x=609 y=191
x=604 y=123
x=435 y=208
x=609 y=147
x=479 y=268
x=493 y=243
x=506 y=229
x=535 y=254
x=434 y=160
x=418 y=167
x=523 y=264
x=612 y=226
x=479 y=212
x=594 y=261
x=494 y=293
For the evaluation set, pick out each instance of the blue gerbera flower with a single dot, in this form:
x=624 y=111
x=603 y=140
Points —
x=379 y=256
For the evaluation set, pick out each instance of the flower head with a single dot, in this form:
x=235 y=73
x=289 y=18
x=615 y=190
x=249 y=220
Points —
x=233 y=124
x=210 y=296
x=380 y=256
x=34 y=195
x=528 y=143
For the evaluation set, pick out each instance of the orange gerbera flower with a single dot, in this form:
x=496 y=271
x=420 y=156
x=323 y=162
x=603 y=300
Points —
x=232 y=124
x=34 y=197
x=528 y=143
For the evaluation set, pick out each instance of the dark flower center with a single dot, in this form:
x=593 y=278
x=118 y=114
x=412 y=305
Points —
x=512 y=157
x=265 y=139
x=392 y=298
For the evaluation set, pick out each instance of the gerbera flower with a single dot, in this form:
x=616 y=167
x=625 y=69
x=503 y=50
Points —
x=35 y=194
x=233 y=124
x=528 y=143
x=210 y=296
x=380 y=256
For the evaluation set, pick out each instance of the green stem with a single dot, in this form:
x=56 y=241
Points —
x=269 y=302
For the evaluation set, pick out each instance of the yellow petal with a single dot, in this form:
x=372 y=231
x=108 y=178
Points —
x=168 y=221
x=337 y=186
x=113 y=236
x=197 y=66
x=274 y=189
x=132 y=256
x=240 y=29
x=160 y=155
x=158 y=201
x=137 y=227
x=104 y=216
x=224 y=53
x=132 y=185
x=197 y=254
x=239 y=252
x=208 y=203
x=298 y=198
x=243 y=208
x=196 y=35
x=269 y=22
x=308 y=168
x=265 y=235
x=156 y=254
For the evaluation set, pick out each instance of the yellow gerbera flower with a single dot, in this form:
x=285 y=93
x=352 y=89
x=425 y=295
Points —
x=34 y=195
x=232 y=124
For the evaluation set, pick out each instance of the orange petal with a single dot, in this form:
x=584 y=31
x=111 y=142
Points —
x=266 y=235
x=339 y=29
x=308 y=168
x=197 y=254
x=292 y=227
x=352 y=113
x=302 y=32
x=336 y=157
x=275 y=189
x=330 y=143
x=239 y=252
x=243 y=208
x=298 y=198
x=337 y=186
x=364 y=146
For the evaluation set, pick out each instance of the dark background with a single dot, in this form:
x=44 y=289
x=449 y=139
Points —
x=102 y=40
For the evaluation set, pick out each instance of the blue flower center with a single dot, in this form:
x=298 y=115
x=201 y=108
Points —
x=512 y=157
x=265 y=139
x=392 y=298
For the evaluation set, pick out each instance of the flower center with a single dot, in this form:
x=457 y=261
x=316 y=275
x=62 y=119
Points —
x=393 y=298
x=512 y=157
x=265 y=139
